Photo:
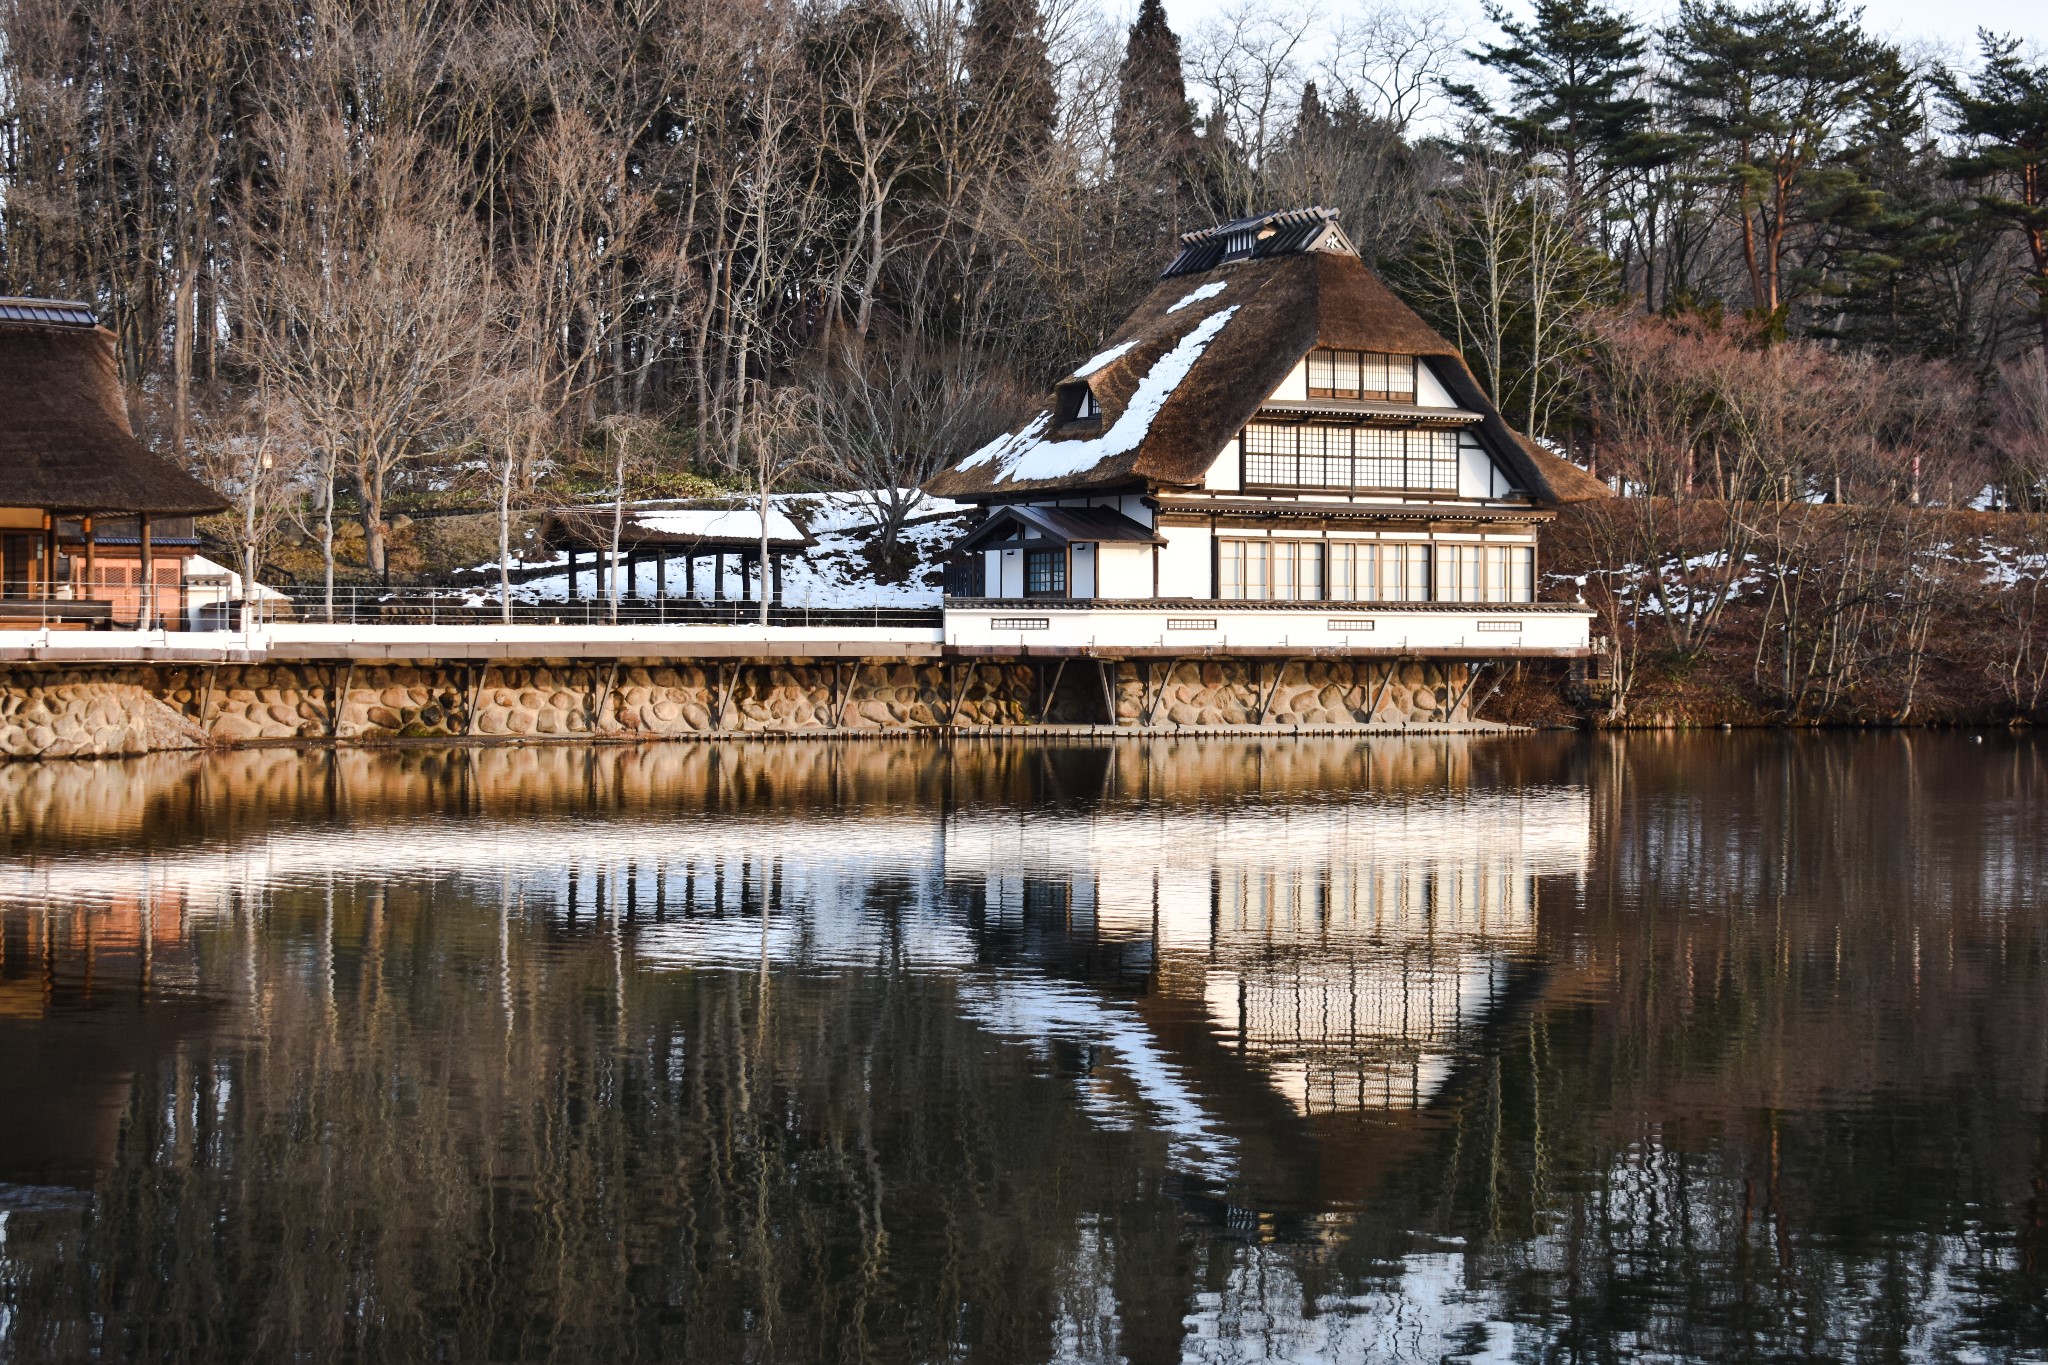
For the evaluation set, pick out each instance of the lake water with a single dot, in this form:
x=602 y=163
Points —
x=1547 y=1047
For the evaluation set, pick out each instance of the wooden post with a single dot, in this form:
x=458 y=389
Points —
x=1051 y=690
x=1372 y=707
x=476 y=687
x=1266 y=706
x=661 y=575
x=690 y=576
x=49 y=556
x=148 y=599
x=1103 y=670
x=718 y=577
x=92 y=582
x=340 y=699
x=777 y=599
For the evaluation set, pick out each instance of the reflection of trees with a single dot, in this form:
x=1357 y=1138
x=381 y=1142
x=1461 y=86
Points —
x=1770 y=1083
x=440 y=1133
x=1801 y=1112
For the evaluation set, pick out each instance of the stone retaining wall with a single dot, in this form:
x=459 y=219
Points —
x=57 y=711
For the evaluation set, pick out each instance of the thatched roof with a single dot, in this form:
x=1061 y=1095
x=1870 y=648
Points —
x=65 y=442
x=1197 y=358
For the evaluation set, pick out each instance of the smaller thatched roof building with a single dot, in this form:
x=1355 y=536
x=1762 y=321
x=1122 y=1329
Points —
x=66 y=445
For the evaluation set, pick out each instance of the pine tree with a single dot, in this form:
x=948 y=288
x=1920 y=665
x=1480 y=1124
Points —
x=2002 y=119
x=1010 y=74
x=1572 y=77
x=1771 y=93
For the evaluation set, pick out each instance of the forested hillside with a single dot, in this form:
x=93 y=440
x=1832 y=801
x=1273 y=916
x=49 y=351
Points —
x=370 y=260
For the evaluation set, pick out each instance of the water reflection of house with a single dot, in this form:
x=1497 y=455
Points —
x=82 y=1006
x=1348 y=955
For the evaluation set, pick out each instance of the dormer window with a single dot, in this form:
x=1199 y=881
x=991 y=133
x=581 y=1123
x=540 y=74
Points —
x=1362 y=375
x=1077 y=403
x=1239 y=244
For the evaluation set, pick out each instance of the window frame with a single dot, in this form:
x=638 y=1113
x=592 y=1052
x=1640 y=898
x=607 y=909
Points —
x=1056 y=579
x=1362 y=366
x=1435 y=451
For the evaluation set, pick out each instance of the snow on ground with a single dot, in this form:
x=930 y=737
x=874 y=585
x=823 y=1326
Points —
x=1025 y=455
x=834 y=573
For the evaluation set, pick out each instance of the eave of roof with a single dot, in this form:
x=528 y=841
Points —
x=1065 y=525
x=1345 y=407
x=1303 y=509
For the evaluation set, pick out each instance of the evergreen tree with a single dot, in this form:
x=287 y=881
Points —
x=1572 y=77
x=1154 y=130
x=1010 y=74
x=1767 y=94
x=2003 y=121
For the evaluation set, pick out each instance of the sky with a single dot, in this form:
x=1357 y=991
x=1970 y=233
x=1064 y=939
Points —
x=1948 y=26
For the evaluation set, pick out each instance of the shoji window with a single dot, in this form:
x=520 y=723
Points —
x=1270 y=570
x=1379 y=571
x=1323 y=455
x=1485 y=573
x=1361 y=375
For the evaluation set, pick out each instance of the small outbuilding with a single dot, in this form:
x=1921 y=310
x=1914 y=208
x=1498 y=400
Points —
x=94 y=529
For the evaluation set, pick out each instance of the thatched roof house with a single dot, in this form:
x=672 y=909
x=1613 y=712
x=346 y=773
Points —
x=1201 y=355
x=65 y=441
x=94 y=529
x=1269 y=424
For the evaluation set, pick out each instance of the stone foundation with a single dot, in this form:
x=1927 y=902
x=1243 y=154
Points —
x=56 y=711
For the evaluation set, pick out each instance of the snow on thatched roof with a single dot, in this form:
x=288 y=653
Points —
x=1196 y=359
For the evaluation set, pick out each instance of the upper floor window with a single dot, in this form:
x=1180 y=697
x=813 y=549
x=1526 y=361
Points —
x=1077 y=403
x=1361 y=374
x=1324 y=455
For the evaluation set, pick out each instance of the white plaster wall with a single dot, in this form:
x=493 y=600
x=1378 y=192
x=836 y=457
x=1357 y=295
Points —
x=1184 y=562
x=1294 y=387
x=1340 y=628
x=1476 y=476
x=1225 y=474
x=1429 y=390
x=991 y=573
x=1013 y=574
x=1081 y=571
x=1124 y=571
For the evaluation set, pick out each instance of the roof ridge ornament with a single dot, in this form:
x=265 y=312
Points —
x=1283 y=232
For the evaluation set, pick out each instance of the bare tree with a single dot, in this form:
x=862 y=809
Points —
x=888 y=422
x=369 y=307
x=777 y=441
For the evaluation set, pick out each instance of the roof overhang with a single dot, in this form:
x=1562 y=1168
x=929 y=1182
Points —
x=1058 y=526
x=1397 y=412
x=1276 y=509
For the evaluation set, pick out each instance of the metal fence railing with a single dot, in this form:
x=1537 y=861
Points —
x=26 y=606
x=417 y=605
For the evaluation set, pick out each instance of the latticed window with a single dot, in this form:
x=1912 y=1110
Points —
x=1045 y=573
x=1323 y=455
x=1379 y=571
x=1486 y=573
x=1270 y=570
x=1361 y=375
